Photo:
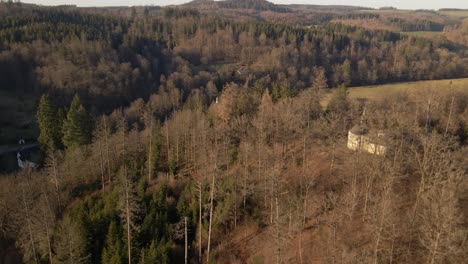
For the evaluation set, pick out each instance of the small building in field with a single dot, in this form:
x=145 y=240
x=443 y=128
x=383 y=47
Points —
x=361 y=139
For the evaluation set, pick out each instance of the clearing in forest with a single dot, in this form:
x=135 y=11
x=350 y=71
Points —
x=377 y=92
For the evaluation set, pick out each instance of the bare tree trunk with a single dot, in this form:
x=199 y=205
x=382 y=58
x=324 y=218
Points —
x=334 y=242
x=271 y=201
x=385 y=204
x=393 y=242
x=190 y=150
x=177 y=148
x=332 y=164
x=47 y=227
x=305 y=207
x=55 y=175
x=28 y=221
x=200 y=221
x=211 y=217
x=127 y=196
x=449 y=117
x=306 y=187
x=265 y=178
x=278 y=242
x=368 y=185
x=123 y=146
x=434 y=249
x=226 y=151
x=244 y=193
x=101 y=163
x=300 y=247
x=211 y=214
x=354 y=191
x=428 y=114
x=303 y=197
x=49 y=244
x=235 y=201
x=127 y=209
x=186 y=241
x=377 y=243
x=70 y=247
x=167 y=144
x=422 y=184
x=186 y=143
x=150 y=150
x=107 y=150
x=328 y=248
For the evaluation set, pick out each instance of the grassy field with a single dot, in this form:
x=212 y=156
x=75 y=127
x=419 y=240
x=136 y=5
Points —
x=377 y=92
x=427 y=34
x=451 y=14
x=455 y=14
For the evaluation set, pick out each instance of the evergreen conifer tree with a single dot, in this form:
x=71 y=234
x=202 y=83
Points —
x=47 y=120
x=77 y=126
x=113 y=249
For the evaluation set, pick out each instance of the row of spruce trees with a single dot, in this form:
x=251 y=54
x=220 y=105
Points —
x=59 y=128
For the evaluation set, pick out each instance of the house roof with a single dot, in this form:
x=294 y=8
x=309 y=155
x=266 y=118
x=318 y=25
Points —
x=359 y=130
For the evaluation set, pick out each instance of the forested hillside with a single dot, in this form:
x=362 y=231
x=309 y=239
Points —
x=111 y=60
x=261 y=5
x=173 y=134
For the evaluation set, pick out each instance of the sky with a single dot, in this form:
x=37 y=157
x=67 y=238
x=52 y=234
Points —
x=401 y=4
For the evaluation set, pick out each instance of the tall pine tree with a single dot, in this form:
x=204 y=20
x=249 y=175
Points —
x=157 y=144
x=48 y=122
x=77 y=126
x=113 y=252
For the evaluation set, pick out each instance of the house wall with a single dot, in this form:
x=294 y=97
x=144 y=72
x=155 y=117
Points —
x=374 y=148
x=353 y=141
x=362 y=142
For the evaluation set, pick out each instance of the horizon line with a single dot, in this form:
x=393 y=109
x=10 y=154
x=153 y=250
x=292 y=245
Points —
x=293 y=4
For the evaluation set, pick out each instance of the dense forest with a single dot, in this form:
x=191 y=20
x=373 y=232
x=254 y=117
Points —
x=252 y=4
x=113 y=59
x=184 y=136
x=110 y=60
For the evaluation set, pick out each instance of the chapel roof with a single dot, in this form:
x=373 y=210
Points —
x=359 y=130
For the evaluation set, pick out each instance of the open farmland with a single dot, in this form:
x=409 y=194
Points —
x=455 y=14
x=377 y=92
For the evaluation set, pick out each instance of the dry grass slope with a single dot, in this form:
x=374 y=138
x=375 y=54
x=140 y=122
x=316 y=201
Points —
x=455 y=14
x=377 y=92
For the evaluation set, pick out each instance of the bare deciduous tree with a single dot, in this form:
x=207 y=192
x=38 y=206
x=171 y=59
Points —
x=129 y=208
x=69 y=243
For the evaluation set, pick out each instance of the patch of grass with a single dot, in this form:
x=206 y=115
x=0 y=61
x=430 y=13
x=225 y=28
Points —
x=389 y=11
x=258 y=260
x=427 y=34
x=455 y=14
x=213 y=67
x=378 y=92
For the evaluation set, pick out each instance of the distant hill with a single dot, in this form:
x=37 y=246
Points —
x=202 y=4
x=327 y=8
x=453 y=9
x=258 y=5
